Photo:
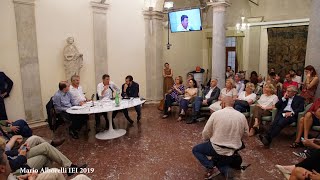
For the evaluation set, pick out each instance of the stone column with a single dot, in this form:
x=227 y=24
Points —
x=313 y=43
x=219 y=41
x=28 y=57
x=100 y=39
x=154 y=54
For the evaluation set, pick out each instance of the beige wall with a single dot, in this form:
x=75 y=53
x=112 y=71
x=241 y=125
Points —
x=59 y=19
x=185 y=53
x=9 y=59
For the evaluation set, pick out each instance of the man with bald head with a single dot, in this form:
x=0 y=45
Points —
x=222 y=134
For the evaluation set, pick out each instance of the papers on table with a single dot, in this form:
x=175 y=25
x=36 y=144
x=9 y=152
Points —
x=77 y=107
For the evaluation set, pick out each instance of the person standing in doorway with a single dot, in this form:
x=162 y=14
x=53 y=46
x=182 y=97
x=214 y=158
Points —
x=167 y=78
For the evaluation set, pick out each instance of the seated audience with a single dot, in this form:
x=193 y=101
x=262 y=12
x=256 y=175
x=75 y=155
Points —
x=211 y=95
x=239 y=84
x=295 y=77
x=189 y=96
x=310 y=84
x=265 y=103
x=289 y=106
x=130 y=89
x=228 y=91
x=62 y=100
x=245 y=99
x=288 y=83
x=229 y=72
x=223 y=135
x=105 y=91
x=173 y=95
x=18 y=127
x=278 y=85
x=76 y=90
x=254 y=77
x=311 y=118
x=259 y=86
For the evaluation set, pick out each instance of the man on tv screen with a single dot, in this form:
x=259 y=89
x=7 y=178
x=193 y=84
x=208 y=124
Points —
x=184 y=26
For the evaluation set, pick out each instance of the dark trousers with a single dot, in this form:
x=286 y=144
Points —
x=196 y=105
x=311 y=162
x=278 y=124
x=126 y=113
x=77 y=120
x=184 y=104
x=3 y=113
x=168 y=103
x=202 y=151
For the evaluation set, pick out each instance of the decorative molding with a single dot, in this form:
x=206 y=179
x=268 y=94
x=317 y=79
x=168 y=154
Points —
x=219 y=6
x=157 y=15
x=307 y=20
x=99 y=8
x=27 y=2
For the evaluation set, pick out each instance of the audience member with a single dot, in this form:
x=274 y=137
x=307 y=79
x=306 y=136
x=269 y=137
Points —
x=211 y=95
x=278 y=85
x=228 y=91
x=259 y=86
x=295 y=77
x=76 y=90
x=245 y=99
x=5 y=89
x=272 y=70
x=189 y=96
x=130 y=89
x=310 y=84
x=18 y=127
x=239 y=84
x=173 y=95
x=265 y=103
x=62 y=100
x=167 y=78
x=288 y=83
x=311 y=118
x=223 y=134
x=288 y=107
x=254 y=77
x=229 y=73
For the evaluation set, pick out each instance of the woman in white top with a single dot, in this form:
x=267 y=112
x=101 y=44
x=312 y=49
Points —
x=245 y=98
x=228 y=91
x=266 y=103
x=189 y=95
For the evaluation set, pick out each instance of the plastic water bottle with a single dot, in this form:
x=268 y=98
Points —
x=117 y=100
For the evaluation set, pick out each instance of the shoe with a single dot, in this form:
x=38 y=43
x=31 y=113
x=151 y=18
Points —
x=303 y=154
x=211 y=173
x=179 y=119
x=138 y=118
x=164 y=116
x=264 y=140
x=191 y=121
x=73 y=134
x=296 y=144
x=56 y=143
x=75 y=169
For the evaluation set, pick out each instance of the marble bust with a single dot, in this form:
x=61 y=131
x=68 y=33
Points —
x=73 y=60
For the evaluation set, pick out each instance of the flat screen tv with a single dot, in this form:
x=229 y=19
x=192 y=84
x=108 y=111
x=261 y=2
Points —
x=185 y=20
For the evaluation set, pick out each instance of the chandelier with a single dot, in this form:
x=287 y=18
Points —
x=240 y=27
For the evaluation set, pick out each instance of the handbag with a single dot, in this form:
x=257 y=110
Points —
x=161 y=105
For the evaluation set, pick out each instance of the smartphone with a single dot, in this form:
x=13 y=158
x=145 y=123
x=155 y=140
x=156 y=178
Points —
x=302 y=139
x=24 y=148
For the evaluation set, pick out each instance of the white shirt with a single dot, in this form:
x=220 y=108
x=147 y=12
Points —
x=108 y=94
x=224 y=93
x=288 y=107
x=242 y=96
x=298 y=80
x=77 y=94
x=208 y=95
x=226 y=127
x=181 y=28
x=267 y=101
x=239 y=86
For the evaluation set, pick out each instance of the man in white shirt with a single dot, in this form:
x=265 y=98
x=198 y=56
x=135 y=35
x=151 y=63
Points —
x=184 y=26
x=76 y=90
x=239 y=84
x=223 y=135
x=295 y=77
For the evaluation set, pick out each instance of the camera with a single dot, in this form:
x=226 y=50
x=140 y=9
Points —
x=168 y=46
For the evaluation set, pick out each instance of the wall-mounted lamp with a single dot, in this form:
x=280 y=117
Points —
x=168 y=5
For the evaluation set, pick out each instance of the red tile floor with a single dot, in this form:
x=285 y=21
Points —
x=161 y=149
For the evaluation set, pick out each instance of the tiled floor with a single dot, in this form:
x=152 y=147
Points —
x=161 y=149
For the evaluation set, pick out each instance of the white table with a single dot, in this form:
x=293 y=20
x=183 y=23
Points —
x=106 y=106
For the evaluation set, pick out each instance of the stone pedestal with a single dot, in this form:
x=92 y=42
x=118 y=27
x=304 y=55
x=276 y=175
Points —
x=219 y=42
x=28 y=57
x=154 y=54
x=100 y=39
x=313 y=43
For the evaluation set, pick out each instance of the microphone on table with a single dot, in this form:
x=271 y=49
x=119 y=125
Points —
x=92 y=96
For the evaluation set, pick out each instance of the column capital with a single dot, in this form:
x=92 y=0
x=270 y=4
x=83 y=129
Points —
x=153 y=15
x=99 y=7
x=219 y=5
x=27 y=2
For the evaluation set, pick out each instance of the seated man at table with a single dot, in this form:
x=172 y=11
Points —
x=130 y=89
x=105 y=90
x=76 y=90
x=62 y=100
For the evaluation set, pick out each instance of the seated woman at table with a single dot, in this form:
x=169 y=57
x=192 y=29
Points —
x=189 y=96
x=266 y=103
x=228 y=91
x=173 y=95
x=245 y=98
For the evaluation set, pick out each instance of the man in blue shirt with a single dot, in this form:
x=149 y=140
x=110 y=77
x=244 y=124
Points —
x=62 y=100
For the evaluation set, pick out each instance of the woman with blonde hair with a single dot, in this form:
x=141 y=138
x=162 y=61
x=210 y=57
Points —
x=245 y=98
x=266 y=103
x=172 y=95
x=228 y=91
